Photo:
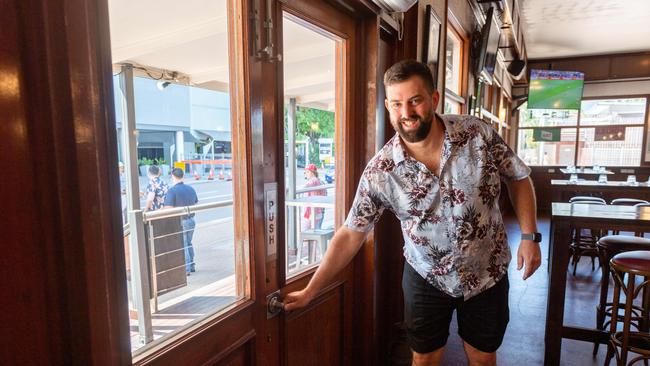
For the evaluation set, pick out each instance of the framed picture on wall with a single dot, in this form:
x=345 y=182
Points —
x=431 y=37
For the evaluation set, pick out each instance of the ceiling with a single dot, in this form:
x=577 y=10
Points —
x=561 y=28
x=191 y=39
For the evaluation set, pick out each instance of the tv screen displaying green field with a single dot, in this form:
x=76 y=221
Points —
x=550 y=89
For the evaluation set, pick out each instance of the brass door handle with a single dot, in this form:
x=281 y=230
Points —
x=274 y=305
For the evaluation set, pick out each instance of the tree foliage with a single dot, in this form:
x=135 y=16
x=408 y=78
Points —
x=313 y=124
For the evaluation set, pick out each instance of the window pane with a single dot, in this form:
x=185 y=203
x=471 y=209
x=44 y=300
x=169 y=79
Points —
x=451 y=106
x=546 y=117
x=503 y=109
x=453 y=62
x=545 y=152
x=617 y=146
x=310 y=124
x=181 y=268
x=613 y=111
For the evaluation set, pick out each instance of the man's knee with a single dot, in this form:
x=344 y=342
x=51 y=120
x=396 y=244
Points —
x=479 y=358
x=428 y=359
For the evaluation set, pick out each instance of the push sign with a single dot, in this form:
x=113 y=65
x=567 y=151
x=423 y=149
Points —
x=270 y=211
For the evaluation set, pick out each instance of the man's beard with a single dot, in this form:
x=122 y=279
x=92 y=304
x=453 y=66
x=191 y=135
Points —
x=420 y=133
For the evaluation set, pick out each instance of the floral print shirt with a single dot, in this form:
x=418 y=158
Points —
x=453 y=231
x=159 y=189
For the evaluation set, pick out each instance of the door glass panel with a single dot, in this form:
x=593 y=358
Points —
x=311 y=115
x=174 y=121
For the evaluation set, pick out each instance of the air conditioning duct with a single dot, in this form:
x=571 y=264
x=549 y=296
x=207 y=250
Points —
x=395 y=6
x=396 y=10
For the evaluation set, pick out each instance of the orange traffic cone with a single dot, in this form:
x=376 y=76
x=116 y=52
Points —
x=196 y=175
x=229 y=176
x=211 y=176
x=221 y=177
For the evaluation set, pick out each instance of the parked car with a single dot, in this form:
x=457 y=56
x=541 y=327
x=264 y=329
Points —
x=329 y=173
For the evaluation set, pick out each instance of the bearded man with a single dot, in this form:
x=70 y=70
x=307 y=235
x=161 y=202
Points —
x=441 y=176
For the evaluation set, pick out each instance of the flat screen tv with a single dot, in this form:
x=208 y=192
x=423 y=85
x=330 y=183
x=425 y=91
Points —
x=487 y=57
x=551 y=89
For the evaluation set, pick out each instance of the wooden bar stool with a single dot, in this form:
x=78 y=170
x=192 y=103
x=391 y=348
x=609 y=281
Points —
x=583 y=241
x=608 y=247
x=586 y=199
x=632 y=264
x=627 y=202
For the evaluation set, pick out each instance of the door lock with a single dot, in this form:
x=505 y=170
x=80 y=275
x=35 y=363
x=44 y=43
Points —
x=274 y=305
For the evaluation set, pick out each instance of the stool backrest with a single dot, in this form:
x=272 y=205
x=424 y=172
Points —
x=587 y=199
x=627 y=202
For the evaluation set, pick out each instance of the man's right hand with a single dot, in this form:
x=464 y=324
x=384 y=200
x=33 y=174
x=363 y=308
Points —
x=343 y=246
x=297 y=300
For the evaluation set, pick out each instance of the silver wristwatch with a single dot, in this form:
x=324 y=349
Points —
x=536 y=237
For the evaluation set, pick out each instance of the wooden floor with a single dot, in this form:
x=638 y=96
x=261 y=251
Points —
x=524 y=340
x=182 y=310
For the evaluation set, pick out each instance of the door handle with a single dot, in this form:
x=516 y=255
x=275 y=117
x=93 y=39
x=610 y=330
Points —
x=274 y=305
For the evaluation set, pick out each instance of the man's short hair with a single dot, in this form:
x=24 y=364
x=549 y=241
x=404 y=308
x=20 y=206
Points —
x=178 y=173
x=405 y=69
x=154 y=170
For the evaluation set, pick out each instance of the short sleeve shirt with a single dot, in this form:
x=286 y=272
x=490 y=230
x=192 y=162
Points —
x=159 y=188
x=181 y=195
x=454 y=235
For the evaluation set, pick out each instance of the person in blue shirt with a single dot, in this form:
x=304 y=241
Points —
x=181 y=195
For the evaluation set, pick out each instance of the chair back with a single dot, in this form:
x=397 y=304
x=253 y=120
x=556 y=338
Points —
x=587 y=199
x=628 y=202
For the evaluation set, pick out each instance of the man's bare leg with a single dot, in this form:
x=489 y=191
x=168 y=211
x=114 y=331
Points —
x=428 y=359
x=479 y=358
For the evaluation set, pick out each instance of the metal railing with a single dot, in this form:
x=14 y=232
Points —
x=143 y=259
x=312 y=189
x=182 y=211
x=293 y=224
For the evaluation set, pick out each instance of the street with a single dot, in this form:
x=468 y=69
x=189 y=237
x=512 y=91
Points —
x=208 y=191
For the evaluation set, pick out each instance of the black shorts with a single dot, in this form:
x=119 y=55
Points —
x=482 y=320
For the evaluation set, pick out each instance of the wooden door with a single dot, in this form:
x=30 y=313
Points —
x=66 y=231
x=314 y=78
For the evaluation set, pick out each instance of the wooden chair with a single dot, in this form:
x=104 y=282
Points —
x=628 y=202
x=608 y=247
x=630 y=265
x=586 y=199
x=584 y=240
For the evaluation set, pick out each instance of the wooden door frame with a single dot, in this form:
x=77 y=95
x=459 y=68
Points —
x=65 y=158
x=71 y=301
x=71 y=293
x=349 y=150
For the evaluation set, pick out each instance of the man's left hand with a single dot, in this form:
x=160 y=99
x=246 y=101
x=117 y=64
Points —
x=530 y=256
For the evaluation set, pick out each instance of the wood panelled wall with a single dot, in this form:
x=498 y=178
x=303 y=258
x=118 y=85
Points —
x=602 y=67
x=542 y=176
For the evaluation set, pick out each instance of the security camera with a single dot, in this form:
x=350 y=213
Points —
x=162 y=84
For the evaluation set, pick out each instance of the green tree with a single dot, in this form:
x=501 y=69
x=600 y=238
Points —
x=314 y=124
